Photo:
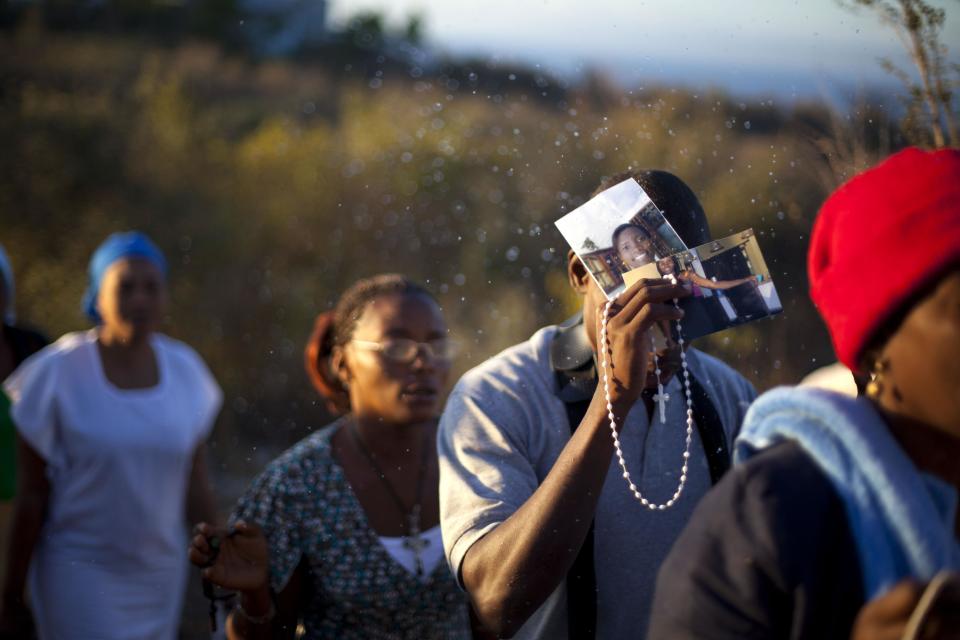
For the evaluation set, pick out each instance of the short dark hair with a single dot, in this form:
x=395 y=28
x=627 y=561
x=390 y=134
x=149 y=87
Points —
x=673 y=261
x=336 y=327
x=624 y=227
x=673 y=197
x=354 y=300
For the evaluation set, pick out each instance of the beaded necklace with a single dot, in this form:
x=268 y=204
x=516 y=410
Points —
x=661 y=398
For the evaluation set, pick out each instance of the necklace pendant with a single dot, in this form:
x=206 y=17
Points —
x=417 y=545
x=661 y=399
x=413 y=541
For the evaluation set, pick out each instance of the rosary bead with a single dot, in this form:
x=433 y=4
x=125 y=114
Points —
x=662 y=397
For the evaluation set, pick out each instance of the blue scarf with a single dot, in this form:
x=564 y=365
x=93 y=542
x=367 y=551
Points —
x=129 y=244
x=901 y=520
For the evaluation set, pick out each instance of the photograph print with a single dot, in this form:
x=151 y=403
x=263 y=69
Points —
x=616 y=231
x=728 y=280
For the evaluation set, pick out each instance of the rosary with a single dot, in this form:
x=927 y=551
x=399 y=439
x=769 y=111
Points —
x=208 y=590
x=661 y=399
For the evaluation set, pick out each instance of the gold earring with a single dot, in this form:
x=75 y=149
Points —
x=875 y=385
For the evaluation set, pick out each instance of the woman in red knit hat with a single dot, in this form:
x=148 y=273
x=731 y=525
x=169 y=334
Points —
x=840 y=519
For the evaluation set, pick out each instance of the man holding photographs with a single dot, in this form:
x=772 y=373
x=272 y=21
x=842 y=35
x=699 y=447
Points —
x=538 y=525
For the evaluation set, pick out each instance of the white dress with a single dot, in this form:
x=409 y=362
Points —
x=110 y=562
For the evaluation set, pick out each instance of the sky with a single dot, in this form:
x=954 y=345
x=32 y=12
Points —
x=778 y=47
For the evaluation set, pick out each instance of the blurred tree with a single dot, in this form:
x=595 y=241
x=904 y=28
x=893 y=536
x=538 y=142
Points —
x=272 y=185
x=841 y=145
x=365 y=30
x=215 y=19
x=931 y=117
x=413 y=32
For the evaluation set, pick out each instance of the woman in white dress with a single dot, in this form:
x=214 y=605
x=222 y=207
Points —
x=111 y=426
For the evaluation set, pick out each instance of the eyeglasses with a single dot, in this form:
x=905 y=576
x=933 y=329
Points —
x=405 y=351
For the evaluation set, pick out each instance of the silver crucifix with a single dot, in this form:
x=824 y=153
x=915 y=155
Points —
x=413 y=541
x=661 y=398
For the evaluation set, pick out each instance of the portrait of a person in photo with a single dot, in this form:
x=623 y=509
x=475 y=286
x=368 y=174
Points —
x=669 y=267
x=634 y=245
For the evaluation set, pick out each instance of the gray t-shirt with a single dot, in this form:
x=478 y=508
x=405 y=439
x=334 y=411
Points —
x=501 y=432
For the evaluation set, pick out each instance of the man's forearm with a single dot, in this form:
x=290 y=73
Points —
x=513 y=569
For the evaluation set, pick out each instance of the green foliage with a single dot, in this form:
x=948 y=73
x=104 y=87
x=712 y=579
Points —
x=365 y=30
x=272 y=186
x=413 y=32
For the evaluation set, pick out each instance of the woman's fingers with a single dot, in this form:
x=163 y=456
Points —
x=201 y=544
x=244 y=528
x=210 y=531
x=201 y=551
x=885 y=617
x=197 y=558
x=897 y=603
x=218 y=573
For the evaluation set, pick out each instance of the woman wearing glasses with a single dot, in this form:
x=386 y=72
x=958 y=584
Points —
x=341 y=532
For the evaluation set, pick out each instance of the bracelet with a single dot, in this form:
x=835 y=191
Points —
x=265 y=618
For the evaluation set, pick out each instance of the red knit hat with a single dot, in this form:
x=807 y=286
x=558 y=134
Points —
x=881 y=237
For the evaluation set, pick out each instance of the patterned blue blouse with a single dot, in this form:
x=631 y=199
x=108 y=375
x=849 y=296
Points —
x=307 y=509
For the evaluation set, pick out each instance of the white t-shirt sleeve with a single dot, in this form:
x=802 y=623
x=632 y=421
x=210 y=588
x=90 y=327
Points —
x=209 y=395
x=485 y=473
x=213 y=397
x=33 y=398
